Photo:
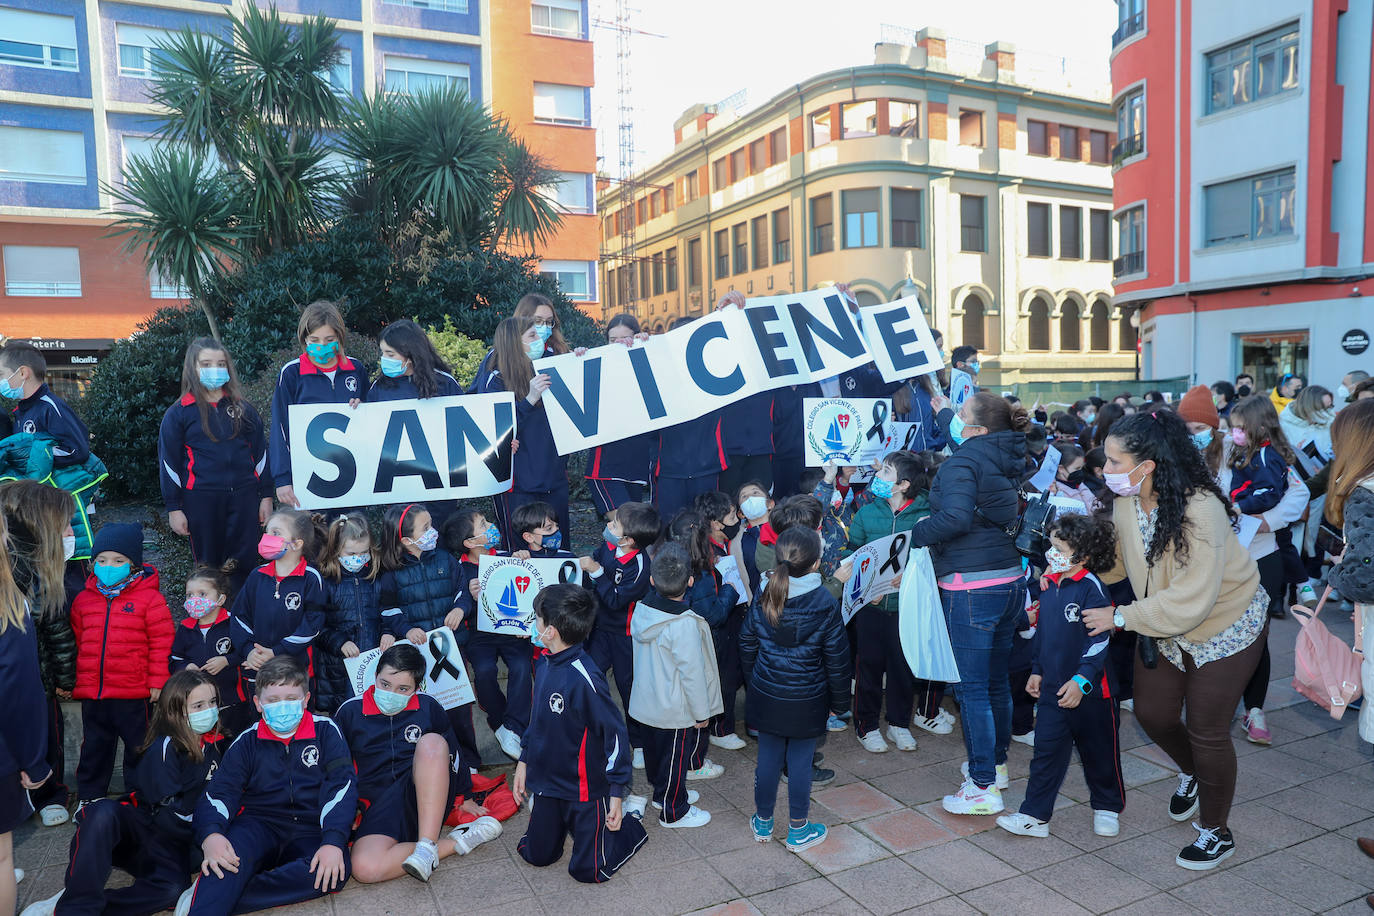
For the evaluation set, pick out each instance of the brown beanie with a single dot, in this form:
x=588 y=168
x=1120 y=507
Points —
x=1196 y=407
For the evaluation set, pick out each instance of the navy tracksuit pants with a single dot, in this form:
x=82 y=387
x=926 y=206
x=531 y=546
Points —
x=673 y=494
x=1092 y=728
x=274 y=870
x=224 y=525
x=511 y=709
x=610 y=494
x=104 y=723
x=614 y=651
x=787 y=471
x=507 y=503
x=668 y=755
x=112 y=834
x=597 y=853
x=743 y=468
x=726 y=640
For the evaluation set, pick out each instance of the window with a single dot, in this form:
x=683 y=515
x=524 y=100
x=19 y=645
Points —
x=722 y=254
x=1130 y=126
x=1100 y=327
x=49 y=156
x=1250 y=209
x=758 y=155
x=414 y=74
x=1070 y=328
x=160 y=287
x=1098 y=151
x=562 y=18
x=782 y=235
x=739 y=164
x=1038 y=325
x=973 y=213
x=139 y=56
x=860 y=210
x=904 y=119
x=973 y=321
x=758 y=232
x=1037 y=138
x=859 y=119
x=32 y=270
x=1068 y=143
x=612 y=293
x=571 y=193
x=822 y=224
x=1253 y=69
x=820 y=128
x=571 y=277
x=740 y=232
x=627 y=280
x=655 y=204
x=1130 y=17
x=1130 y=244
x=691 y=188
x=37 y=40
x=970 y=127
x=658 y=274
x=1071 y=233
x=448 y=6
x=670 y=269
x=720 y=173
x=1128 y=337
x=694 y=263
x=644 y=282
x=340 y=75
x=777 y=146
x=558 y=104
x=1038 y=230
x=906 y=218
x=641 y=211
x=667 y=194
x=1099 y=235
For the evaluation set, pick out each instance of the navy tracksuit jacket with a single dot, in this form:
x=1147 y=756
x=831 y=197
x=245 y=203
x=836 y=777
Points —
x=384 y=746
x=196 y=645
x=622 y=582
x=302 y=382
x=688 y=460
x=284 y=615
x=352 y=613
x=45 y=412
x=403 y=388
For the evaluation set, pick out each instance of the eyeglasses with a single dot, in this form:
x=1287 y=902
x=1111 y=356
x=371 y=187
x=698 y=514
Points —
x=543 y=322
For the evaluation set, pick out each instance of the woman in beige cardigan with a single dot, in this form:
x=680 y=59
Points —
x=1199 y=609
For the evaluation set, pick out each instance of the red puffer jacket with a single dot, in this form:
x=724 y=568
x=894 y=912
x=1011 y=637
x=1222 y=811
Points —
x=122 y=643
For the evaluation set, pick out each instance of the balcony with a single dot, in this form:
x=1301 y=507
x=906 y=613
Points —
x=1132 y=262
x=1127 y=147
x=1128 y=28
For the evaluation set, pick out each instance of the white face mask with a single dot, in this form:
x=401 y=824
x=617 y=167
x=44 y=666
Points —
x=69 y=547
x=1342 y=393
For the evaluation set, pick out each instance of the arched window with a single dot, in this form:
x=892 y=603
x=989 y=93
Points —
x=1127 y=335
x=1039 y=322
x=973 y=321
x=1070 y=327
x=1100 y=328
x=866 y=298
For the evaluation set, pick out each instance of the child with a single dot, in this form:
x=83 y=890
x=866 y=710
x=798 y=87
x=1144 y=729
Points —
x=899 y=501
x=1073 y=682
x=23 y=371
x=204 y=642
x=676 y=690
x=123 y=639
x=147 y=833
x=796 y=657
x=273 y=824
x=573 y=763
x=426 y=585
x=1259 y=460
x=281 y=607
x=353 y=618
x=618 y=571
x=724 y=537
x=1070 y=477
x=537 y=533
x=410 y=773
x=754 y=504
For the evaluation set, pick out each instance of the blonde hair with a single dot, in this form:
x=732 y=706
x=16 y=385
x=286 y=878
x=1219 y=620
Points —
x=13 y=608
x=37 y=514
x=1352 y=439
x=343 y=529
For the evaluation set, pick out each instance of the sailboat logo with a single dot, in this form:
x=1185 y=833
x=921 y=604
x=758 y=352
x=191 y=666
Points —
x=834 y=438
x=834 y=430
x=513 y=585
x=509 y=604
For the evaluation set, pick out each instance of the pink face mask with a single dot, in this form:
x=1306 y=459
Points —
x=1121 y=485
x=271 y=547
x=1238 y=437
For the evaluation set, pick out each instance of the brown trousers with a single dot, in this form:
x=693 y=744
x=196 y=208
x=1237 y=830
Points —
x=1202 y=746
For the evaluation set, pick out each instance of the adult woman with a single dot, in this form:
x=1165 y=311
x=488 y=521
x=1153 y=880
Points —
x=618 y=472
x=1350 y=503
x=1199 y=597
x=1309 y=417
x=974 y=503
x=1108 y=415
x=322 y=374
x=911 y=403
x=1223 y=398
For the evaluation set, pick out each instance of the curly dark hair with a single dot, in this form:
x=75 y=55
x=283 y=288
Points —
x=1180 y=472
x=1092 y=538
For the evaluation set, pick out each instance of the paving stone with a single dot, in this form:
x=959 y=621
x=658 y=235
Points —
x=844 y=847
x=905 y=831
x=1301 y=881
x=1022 y=852
x=888 y=886
x=1093 y=883
x=1323 y=809
x=816 y=893
x=959 y=866
x=761 y=867
x=1224 y=893
x=1024 y=896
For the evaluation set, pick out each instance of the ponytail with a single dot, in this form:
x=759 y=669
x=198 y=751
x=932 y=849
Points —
x=798 y=552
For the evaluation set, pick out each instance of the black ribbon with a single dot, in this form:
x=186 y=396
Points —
x=879 y=418
x=569 y=572
x=438 y=650
x=896 y=551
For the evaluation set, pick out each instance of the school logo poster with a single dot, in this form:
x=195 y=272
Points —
x=507 y=588
x=848 y=431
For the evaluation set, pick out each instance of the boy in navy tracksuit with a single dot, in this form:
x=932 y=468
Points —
x=1072 y=679
x=747 y=430
x=576 y=761
x=618 y=571
x=284 y=614
x=279 y=808
x=688 y=461
x=617 y=472
x=22 y=373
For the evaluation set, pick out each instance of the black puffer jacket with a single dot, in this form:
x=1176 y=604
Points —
x=973 y=500
x=426 y=589
x=353 y=614
x=56 y=641
x=1354 y=575
x=797 y=672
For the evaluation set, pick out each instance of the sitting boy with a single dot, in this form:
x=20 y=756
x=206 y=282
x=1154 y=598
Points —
x=575 y=762
x=410 y=772
x=274 y=823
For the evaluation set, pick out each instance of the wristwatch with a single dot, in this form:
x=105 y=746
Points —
x=1118 y=621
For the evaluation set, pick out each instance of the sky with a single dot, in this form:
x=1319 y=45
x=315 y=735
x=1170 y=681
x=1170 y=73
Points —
x=711 y=49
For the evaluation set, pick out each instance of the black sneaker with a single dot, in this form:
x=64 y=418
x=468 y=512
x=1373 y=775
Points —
x=821 y=776
x=1183 y=803
x=1213 y=846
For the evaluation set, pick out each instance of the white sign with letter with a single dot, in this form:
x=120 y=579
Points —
x=508 y=587
x=899 y=340
x=877 y=565
x=446 y=677
x=848 y=431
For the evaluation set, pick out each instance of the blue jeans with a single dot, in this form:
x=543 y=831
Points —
x=981 y=624
x=797 y=754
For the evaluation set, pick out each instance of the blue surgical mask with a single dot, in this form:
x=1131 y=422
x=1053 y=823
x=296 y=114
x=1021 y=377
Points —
x=609 y=536
x=213 y=377
x=881 y=488
x=973 y=367
x=553 y=541
x=535 y=640
x=535 y=350
x=389 y=702
x=427 y=541
x=754 y=507
x=283 y=717
x=492 y=536
x=545 y=331
x=956 y=429
x=1089 y=417
x=1202 y=439
x=393 y=368
x=353 y=562
x=321 y=353
x=202 y=720
x=111 y=575
x=9 y=391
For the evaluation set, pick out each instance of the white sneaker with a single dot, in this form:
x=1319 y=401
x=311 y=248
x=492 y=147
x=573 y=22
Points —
x=945 y=716
x=54 y=815
x=1106 y=823
x=873 y=742
x=1128 y=705
x=972 y=800
x=1003 y=777
x=707 y=770
x=509 y=741
x=1307 y=594
x=638 y=759
x=42 y=907
x=421 y=863
x=902 y=737
x=936 y=725
x=634 y=805
x=695 y=817
x=467 y=837
x=1023 y=825
x=730 y=742
x=693 y=796
x=1027 y=739
x=184 y=901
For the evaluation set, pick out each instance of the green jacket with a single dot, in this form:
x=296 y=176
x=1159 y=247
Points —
x=28 y=456
x=875 y=521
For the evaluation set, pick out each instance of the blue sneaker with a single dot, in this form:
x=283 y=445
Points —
x=763 y=829
x=805 y=836
x=835 y=724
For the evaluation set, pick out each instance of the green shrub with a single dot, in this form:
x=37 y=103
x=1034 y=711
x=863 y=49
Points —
x=462 y=353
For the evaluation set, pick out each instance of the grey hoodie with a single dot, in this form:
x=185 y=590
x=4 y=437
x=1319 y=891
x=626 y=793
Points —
x=677 y=683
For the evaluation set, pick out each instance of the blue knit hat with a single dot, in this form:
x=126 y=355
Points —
x=124 y=538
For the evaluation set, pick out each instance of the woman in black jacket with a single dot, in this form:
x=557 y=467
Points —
x=974 y=506
x=796 y=661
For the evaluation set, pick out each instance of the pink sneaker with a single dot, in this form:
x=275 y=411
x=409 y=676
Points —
x=1256 y=729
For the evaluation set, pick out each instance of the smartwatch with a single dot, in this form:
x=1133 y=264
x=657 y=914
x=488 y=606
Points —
x=1118 y=621
x=1083 y=684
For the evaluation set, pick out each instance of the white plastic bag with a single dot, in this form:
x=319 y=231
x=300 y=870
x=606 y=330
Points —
x=921 y=622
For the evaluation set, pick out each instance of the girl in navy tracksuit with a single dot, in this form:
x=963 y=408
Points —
x=539 y=309
x=618 y=472
x=212 y=462
x=280 y=609
x=322 y=374
x=540 y=474
x=911 y=404
x=204 y=642
x=148 y=832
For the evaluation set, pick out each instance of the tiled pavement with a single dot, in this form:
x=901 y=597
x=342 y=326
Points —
x=892 y=849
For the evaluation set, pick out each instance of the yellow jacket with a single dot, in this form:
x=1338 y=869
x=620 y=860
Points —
x=1279 y=401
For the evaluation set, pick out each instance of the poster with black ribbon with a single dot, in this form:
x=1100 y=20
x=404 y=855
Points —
x=446 y=677
x=847 y=431
x=508 y=587
x=878 y=566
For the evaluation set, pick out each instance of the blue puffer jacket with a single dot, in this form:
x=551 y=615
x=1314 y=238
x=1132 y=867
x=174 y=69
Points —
x=426 y=589
x=798 y=671
x=353 y=614
x=29 y=456
x=973 y=500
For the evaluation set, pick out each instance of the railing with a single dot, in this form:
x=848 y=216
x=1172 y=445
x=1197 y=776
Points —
x=1127 y=147
x=1128 y=28
x=1132 y=262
